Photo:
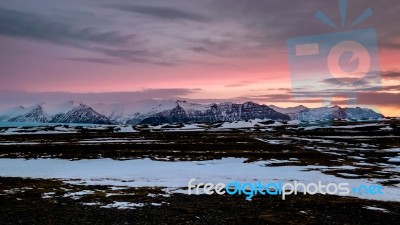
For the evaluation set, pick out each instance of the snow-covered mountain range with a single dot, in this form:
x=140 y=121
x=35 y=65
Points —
x=162 y=111
x=303 y=113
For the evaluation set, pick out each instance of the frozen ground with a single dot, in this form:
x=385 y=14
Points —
x=133 y=172
x=10 y=128
x=149 y=173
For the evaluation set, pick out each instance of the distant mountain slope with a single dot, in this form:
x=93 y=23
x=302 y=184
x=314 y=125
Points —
x=35 y=114
x=303 y=113
x=133 y=111
x=54 y=109
x=81 y=114
x=292 y=112
x=7 y=114
x=362 y=113
x=336 y=112
x=323 y=113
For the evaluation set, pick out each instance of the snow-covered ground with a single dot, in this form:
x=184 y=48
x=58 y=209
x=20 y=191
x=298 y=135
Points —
x=175 y=175
x=7 y=128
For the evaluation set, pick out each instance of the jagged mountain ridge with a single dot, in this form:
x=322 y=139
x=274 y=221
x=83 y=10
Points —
x=226 y=112
x=302 y=113
x=159 y=112
x=292 y=112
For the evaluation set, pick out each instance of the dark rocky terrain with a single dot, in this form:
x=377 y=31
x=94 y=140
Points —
x=367 y=149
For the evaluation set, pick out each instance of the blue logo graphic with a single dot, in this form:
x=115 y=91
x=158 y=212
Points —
x=338 y=64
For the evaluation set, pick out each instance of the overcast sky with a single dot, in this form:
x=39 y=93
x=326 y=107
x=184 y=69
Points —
x=54 y=50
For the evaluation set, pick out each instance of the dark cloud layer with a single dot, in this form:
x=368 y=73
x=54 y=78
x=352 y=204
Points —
x=161 y=12
x=391 y=99
x=391 y=75
x=22 y=97
x=277 y=20
x=265 y=24
x=92 y=60
x=39 y=27
x=42 y=28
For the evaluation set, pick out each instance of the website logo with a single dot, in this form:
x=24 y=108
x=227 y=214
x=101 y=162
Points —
x=338 y=64
x=283 y=189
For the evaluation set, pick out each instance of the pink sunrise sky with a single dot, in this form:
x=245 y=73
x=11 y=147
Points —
x=211 y=50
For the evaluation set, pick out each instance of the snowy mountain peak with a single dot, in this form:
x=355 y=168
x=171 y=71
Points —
x=54 y=109
x=81 y=114
x=251 y=104
x=83 y=106
x=292 y=112
x=34 y=114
